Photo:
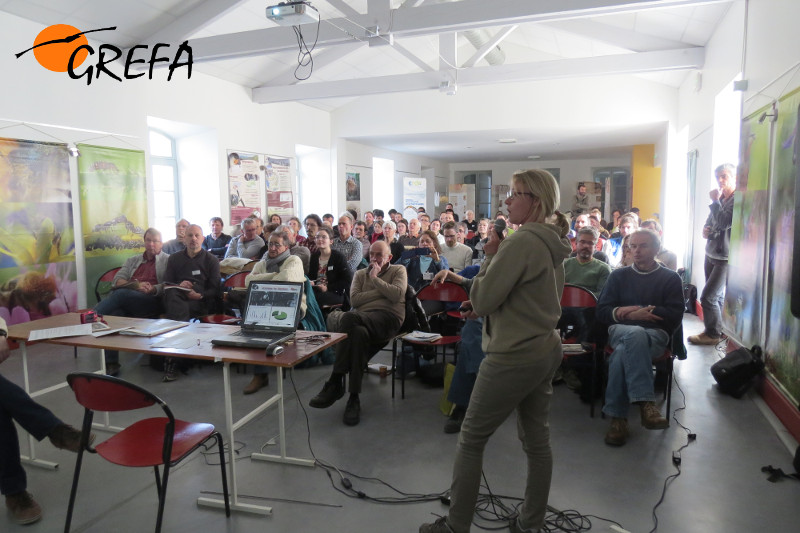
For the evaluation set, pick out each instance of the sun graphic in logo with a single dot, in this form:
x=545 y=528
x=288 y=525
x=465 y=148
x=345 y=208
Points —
x=55 y=45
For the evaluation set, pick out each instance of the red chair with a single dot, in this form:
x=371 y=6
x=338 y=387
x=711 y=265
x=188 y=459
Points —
x=446 y=292
x=103 y=285
x=580 y=299
x=149 y=442
x=231 y=282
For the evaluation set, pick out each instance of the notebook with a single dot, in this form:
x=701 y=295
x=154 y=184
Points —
x=270 y=317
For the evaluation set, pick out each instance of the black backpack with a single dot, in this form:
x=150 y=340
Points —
x=736 y=371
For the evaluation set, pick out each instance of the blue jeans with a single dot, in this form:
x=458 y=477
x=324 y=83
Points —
x=470 y=356
x=15 y=404
x=630 y=368
x=127 y=302
x=712 y=299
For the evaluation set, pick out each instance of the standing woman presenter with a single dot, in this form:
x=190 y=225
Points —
x=518 y=292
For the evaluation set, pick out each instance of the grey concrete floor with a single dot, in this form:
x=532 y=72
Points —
x=721 y=487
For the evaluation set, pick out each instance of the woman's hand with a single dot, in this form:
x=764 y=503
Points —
x=434 y=254
x=491 y=246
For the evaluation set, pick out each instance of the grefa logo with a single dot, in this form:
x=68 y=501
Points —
x=64 y=48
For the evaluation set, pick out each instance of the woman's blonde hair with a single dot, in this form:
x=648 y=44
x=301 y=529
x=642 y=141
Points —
x=543 y=186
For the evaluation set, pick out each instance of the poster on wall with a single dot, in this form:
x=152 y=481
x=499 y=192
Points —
x=245 y=174
x=414 y=195
x=462 y=196
x=742 y=311
x=278 y=183
x=499 y=195
x=352 y=193
x=37 y=244
x=783 y=329
x=113 y=196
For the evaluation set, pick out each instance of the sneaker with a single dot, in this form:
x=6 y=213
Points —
x=440 y=526
x=453 y=424
x=258 y=382
x=514 y=527
x=651 y=416
x=618 y=432
x=67 y=438
x=112 y=369
x=331 y=391
x=352 y=413
x=703 y=339
x=24 y=508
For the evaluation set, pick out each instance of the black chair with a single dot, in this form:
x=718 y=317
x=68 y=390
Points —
x=150 y=442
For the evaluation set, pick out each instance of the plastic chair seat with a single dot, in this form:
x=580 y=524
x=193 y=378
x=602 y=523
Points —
x=446 y=340
x=141 y=444
x=220 y=319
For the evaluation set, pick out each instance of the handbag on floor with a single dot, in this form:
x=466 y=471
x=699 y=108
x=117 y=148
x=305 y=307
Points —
x=736 y=371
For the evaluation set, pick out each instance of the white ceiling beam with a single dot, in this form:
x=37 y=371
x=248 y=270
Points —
x=193 y=20
x=346 y=10
x=408 y=54
x=425 y=20
x=448 y=51
x=322 y=58
x=489 y=46
x=659 y=61
x=411 y=3
x=627 y=39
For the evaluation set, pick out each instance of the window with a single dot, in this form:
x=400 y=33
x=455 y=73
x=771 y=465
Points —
x=166 y=188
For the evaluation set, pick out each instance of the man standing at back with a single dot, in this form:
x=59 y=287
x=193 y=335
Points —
x=717 y=230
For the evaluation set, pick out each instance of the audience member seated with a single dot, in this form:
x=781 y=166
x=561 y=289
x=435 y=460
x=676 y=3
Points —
x=312 y=223
x=436 y=227
x=388 y=236
x=136 y=289
x=479 y=240
x=248 y=244
x=330 y=276
x=294 y=249
x=411 y=240
x=294 y=222
x=424 y=262
x=424 y=222
x=402 y=229
x=176 y=245
x=360 y=233
x=461 y=234
x=346 y=243
x=377 y=231
x=275 y=219
x=459 y=256
x=613 y=247
x=596 y=221
x=584 y=269
x=16 y=405
x=197 y=273
x=369 y=223
x=277 y=265
x=643 y=305
x=378 y=300
x=613 y=226
x=216 y=242
x=667 y=258
x=472 y=222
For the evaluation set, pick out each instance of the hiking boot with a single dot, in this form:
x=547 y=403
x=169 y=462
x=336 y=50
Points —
x=703 y=339
x=67 y=438
x=453 y=424
x=618 y=432
x=331 y=391
x=440 y=526
x=23 y=508
x=258 y=382
x=352 y=413
x=651 y=416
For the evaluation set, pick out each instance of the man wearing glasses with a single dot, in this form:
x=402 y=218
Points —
x=458 y=255
x=248 y=244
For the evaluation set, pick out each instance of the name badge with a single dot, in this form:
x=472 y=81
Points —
x=330 y=268
x=427 y=276
x=195 y=272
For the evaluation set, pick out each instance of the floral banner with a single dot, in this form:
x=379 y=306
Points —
x=37 y=245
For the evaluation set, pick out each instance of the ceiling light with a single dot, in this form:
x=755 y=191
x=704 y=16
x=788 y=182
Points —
x=507 y=141
x=534 y=157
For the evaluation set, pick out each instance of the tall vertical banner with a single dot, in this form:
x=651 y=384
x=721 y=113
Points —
x=414 y=196
x=783 y=329
x=742 y=313
x=245 y=174
x=280 y=198
x=113 y=194
x=37 y=244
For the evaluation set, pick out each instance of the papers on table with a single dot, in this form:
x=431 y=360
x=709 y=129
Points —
x=156 y=327
x=54 y=333
x=572 y=348
x=422 y=336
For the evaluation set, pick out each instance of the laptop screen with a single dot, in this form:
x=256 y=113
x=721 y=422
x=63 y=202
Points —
x=273 y=304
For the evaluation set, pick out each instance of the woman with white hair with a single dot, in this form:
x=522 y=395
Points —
x=518 y=294
x=390 y=236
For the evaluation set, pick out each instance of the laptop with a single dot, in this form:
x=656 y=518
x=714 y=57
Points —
x=271 y=315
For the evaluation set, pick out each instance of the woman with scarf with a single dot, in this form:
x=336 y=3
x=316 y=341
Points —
x=277 y=265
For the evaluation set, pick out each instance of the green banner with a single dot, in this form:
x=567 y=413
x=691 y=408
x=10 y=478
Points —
x=37 y=245
x=113 y=196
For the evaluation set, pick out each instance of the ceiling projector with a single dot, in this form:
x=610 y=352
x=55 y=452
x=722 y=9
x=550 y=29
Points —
x=293 y=13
